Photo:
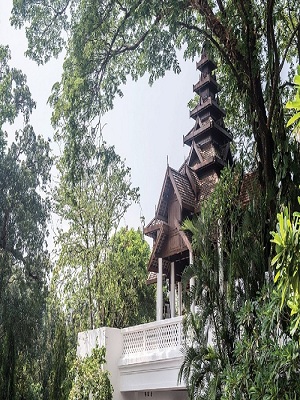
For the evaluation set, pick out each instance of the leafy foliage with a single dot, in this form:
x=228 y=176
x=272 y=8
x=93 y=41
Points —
x=122 y=293
x=24 y=262
x=229 y=270
x=286 y=262
x=243 y=339
x=15 y=97
x=252 y=41
x=266 y=359
x=100 y=274
x=112 y=40
x=295 y=104
x=90 y=379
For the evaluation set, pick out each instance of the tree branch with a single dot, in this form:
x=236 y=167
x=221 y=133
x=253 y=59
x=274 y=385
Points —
x=224 y=34
x=221 y=50
x=110 y=53
x=221 y=7
x=273 y=50
x=295 y=31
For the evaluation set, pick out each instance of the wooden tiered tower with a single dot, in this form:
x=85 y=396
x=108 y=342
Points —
x=184 y=190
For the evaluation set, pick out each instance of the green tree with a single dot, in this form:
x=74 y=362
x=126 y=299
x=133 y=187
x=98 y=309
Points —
x=295 y=104
x=267 y=359
x=253 y=351
x=111 y=40
x=90 y=379
x=24 y=263
x=92 y=203
x=124 y=296
x=244 y=335
x=121 y=298
x=229 y=269
x=57 y=342
x=251 y=41
x=286 y=262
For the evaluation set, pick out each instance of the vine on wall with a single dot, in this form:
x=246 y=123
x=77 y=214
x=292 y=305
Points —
x=90 y=379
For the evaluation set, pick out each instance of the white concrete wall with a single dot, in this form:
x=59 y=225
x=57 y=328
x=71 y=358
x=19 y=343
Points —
x=154 y=372
x=111 y=339
x=114 y=345
x=88 y=340
x=155 y=375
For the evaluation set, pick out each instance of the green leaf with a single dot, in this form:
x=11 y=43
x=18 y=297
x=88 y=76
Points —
x=293 y=119
x=293 y=104
x=277 y=276
x=297 y=79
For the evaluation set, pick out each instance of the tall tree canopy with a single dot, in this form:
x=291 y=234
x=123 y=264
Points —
x=100 y=274
x=111 y=40
x=126 y=298
x=24 y=173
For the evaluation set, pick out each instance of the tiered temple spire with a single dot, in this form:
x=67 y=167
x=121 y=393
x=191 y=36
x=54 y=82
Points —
x=208 y=138
x=184 y=190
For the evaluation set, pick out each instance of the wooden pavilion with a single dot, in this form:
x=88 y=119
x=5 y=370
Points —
x=183 y=190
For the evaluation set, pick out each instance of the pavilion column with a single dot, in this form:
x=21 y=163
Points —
x=159 y=292
x=172 y=294
x=179 y=286
x=192 y=283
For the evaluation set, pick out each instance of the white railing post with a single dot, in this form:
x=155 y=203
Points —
x=172 y=297
x=159 y=292
x=179 y=298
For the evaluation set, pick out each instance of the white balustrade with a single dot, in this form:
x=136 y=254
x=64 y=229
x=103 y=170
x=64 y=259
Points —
x=159 y=335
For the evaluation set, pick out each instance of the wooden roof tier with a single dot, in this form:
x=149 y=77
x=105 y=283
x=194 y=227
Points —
x=163 y=248
x=183 y=185
x=205 y=128
x=183 y=189
x=210 y=104
x=153 y=227
x=204 y=81
x=205 y=62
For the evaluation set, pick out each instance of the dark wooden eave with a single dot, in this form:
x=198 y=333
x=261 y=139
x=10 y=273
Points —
x=208 y=127
x=207 y=154
x=214 y=161
x=193 y=178
x=183 y=190
x=205 y=61
x=184 y=236
x=152 y=228
x=206 y=80
x=208 y=103
x=157 y=247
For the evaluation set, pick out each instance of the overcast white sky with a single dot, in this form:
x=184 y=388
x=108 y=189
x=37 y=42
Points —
x=145 y=126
